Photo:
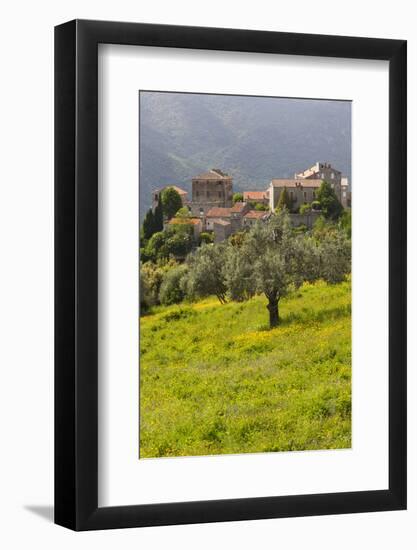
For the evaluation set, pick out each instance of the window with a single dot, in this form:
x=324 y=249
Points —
x=220 y=194
x=291 y=195
x=196 y=194
x=305 y=195
x=322 y=175
x=332 y=175
x=314 y=194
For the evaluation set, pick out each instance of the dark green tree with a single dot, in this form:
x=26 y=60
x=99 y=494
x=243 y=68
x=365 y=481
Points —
x=148 y=226
x=171 y=202
x=175 y=242
x=158 y=217
x=237 y=197
x=330 y=205
x=284 y=200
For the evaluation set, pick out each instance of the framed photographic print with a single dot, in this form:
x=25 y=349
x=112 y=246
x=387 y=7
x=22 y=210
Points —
x=230 y=244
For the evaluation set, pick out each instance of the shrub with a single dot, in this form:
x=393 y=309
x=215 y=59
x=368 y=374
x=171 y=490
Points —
x=183 y=212
x=206 y=238
x=261 y=207
x=305 y=208
x=172 y=289
x=150 y=280
x=176 y=241
x=332 y=209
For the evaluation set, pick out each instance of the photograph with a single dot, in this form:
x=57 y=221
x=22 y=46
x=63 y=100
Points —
x=245 y=274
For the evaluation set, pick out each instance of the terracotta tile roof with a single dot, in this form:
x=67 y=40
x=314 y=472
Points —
x=177 y=189
x=218 y=212
x=291 y=184
x=184 y=221
x=238 y=207
x=213 y=174
x=256 y=214
x=255 y=195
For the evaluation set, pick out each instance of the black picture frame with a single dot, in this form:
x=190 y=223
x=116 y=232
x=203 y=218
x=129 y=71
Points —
x=76 y=272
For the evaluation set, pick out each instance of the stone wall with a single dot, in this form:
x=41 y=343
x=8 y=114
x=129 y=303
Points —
x=207 y=194
x=304 y=219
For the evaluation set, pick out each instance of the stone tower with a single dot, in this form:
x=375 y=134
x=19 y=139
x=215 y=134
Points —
x=210 y=189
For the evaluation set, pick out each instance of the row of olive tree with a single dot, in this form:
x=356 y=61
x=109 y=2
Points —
x=270 y=259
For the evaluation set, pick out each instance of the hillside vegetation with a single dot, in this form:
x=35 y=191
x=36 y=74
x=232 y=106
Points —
x=215 y=379
x=182 y=135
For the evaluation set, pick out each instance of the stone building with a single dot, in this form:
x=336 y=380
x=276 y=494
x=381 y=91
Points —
x=324 y=171
x=215 y=214
x=222 y=230
x=300 y=191
x=261 y=197
x=233 y=215
x=210 y=190
x=254 y=216
x=346 y=193
x=156 y=195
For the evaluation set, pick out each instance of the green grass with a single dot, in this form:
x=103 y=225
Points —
x=214 y=379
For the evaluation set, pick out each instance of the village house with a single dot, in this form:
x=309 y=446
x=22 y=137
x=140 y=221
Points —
x=303 y=188
x=222 y=230
x=212 y=207
x=215 y=214
x=254 y=216
x=260 y=197
x=156 y=195
x=299 y=191
x=324 y=171
x=233 y=215
x=209 y=190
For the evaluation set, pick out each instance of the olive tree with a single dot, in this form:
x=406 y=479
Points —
x=238 y=273
x=274 y=259
x=172 y=289
x=206 y=272
x=276 y=255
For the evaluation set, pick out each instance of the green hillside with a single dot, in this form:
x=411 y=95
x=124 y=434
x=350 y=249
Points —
x=252 y=138
x=214 y=379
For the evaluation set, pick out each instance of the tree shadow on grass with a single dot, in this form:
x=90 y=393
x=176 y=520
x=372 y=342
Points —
x=313 y=316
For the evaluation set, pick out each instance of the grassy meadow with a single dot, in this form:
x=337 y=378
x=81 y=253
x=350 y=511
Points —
x=214 y=378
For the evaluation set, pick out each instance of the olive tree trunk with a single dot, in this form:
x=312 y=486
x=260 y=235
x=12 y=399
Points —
x=273 y=312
